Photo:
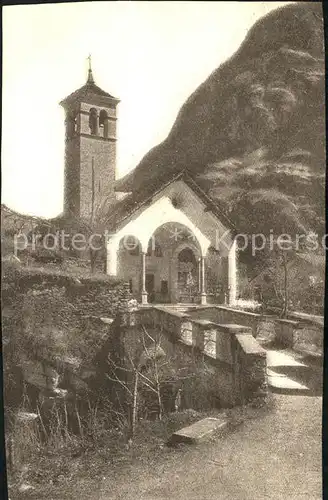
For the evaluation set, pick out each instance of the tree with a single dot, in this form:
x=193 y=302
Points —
x=276 y=274
x=269 y=199
x=149 y=377
x=142 y=367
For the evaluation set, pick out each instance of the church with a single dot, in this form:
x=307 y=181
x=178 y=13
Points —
x=169 y=240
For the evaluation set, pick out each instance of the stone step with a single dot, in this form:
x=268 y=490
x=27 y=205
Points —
x=282 y=382
x=199 y=431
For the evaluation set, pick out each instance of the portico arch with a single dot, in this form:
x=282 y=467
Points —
x=178 y=221
x=161 y=212
x=195 y=248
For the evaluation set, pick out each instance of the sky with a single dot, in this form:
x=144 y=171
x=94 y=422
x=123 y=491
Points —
x=151 y=55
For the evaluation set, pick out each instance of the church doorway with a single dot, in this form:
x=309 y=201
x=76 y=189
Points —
x=188 y=276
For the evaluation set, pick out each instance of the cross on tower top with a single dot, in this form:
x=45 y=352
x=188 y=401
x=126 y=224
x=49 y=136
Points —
x=90 y=75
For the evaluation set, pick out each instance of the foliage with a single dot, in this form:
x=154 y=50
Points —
x=262 y=194
x=289 y=277
x=44 y=256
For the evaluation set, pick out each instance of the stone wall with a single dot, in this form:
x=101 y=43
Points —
x=55 y=326
x=283 y=329
x=104 y=153
x=250 y=369
x=222 y=314
x=235 y=361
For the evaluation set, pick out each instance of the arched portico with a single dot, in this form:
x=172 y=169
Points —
x=163 y=232
x=175 y=239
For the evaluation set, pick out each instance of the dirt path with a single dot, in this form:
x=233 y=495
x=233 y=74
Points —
x=275 y=457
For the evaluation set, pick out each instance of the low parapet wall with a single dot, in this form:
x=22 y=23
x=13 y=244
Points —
x=283 y=328
x=251 y=364
x=229 y=348
x=303 y=318
x=221 y=314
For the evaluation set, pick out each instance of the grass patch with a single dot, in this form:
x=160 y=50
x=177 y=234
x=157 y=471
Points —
x=59 y=470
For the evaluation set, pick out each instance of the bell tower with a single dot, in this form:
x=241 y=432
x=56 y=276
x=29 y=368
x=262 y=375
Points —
x=90 y=149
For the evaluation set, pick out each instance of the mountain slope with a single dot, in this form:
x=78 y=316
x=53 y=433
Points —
x=257 y=122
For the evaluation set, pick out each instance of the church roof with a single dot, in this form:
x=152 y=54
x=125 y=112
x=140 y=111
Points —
x=87 y=91
x=139 y=198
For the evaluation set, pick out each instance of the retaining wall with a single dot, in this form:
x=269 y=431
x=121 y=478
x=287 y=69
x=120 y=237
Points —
x=237 y=361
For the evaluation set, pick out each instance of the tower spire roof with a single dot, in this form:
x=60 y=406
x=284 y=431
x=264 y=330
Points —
x=90 y=75
x=89 y=91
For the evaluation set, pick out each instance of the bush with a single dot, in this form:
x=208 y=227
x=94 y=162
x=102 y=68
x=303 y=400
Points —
x=47 y=256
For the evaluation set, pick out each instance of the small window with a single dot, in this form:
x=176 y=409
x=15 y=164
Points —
x=130 y=285
x=135 y=251
x=103 y=122
x=131 y=245
x=93 y=121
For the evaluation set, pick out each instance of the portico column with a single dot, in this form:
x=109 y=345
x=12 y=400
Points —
x=202 y=286
x=111 y=258
x=144 y=294
x=199 y=275
x=232 y=273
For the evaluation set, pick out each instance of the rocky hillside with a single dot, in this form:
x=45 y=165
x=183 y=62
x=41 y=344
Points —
x=253 y=132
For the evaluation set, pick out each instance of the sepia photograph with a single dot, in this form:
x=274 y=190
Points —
x=163 y=250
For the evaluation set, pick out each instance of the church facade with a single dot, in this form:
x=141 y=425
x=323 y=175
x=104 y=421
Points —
x=169 y=240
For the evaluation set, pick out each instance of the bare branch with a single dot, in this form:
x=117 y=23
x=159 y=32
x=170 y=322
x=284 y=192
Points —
x=144 y=377
x=149 y=336
x=149 y=386
x=120 y=382
x=117 y=367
